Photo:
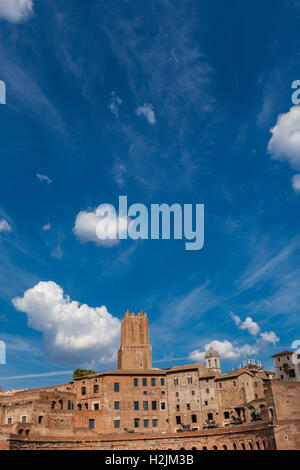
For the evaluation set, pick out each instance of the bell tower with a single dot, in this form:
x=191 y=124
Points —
x=135 y=351
x=212 y=360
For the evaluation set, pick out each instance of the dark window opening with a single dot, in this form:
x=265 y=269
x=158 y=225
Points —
x=91 y=423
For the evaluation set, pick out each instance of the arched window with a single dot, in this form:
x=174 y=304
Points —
x=61 y=404
x=234 y=447
x=250 y=446
x=204 y=448
x=194 y=448
x=258 y=445
x=215 y=448
x=264 y=445
x=53 y=404
x=243 y=446
x=20 y=432
x=224 y=447
x=83 y=390
x=79 y=407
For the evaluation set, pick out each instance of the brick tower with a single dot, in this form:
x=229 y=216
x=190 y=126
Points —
x=135 y=351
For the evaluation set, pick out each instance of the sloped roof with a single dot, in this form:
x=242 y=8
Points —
x=283 y=353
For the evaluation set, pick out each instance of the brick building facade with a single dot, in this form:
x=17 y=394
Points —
x=140 y=407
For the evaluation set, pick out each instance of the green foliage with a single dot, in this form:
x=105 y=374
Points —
x=82 y=372
x=286 y=368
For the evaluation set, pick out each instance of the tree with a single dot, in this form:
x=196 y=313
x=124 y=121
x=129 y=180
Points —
x=82 y=372
x=286 y=368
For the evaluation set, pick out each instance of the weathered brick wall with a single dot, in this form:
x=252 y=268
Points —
x=256 y=437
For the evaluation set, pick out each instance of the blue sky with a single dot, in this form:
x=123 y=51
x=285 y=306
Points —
x=163 y=102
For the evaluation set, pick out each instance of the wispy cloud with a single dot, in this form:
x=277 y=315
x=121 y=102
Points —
x=4 y=226
x=175 y=71
x=264 y=264
x=114 y=103
x=33 y=376
x=43 y=178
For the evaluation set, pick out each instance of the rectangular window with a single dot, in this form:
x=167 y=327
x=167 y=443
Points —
x=96 y=388
x=154 y=423
x=175 y=381
x=91 y=423
x=144 y=382
x=178 y=419
x=188 y=406
x=116 y=387
x=210 y=416
x=220 y=385
x=116 y=423
x=190 y=380
x=136 y=406
x=146 y=423
x=24 y=419
x=152 y=382
x=194 y=418
x=162 y=382
x=207 y=390
x=136 y=422
x=154 y=406
x=145 y=405
x=116 y=405
x=83 y=390
x=162 y=405
x=96 y=406
x=40 y=419
x=206 y=403
x=9 y=421
x=135 y=382
x=177 y=407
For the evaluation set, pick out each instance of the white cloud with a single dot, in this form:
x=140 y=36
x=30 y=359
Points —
x=4 y=226
x=73 y=332
x=101 y=226
x=47 y=227
x=44 y=178
x=296 y=183
x=147 y=111
x=253 y=328
x=226 y=350
x=248 y=324
x=284 y=144
x=269 y=337
x=114 y=103
x=16 y=10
